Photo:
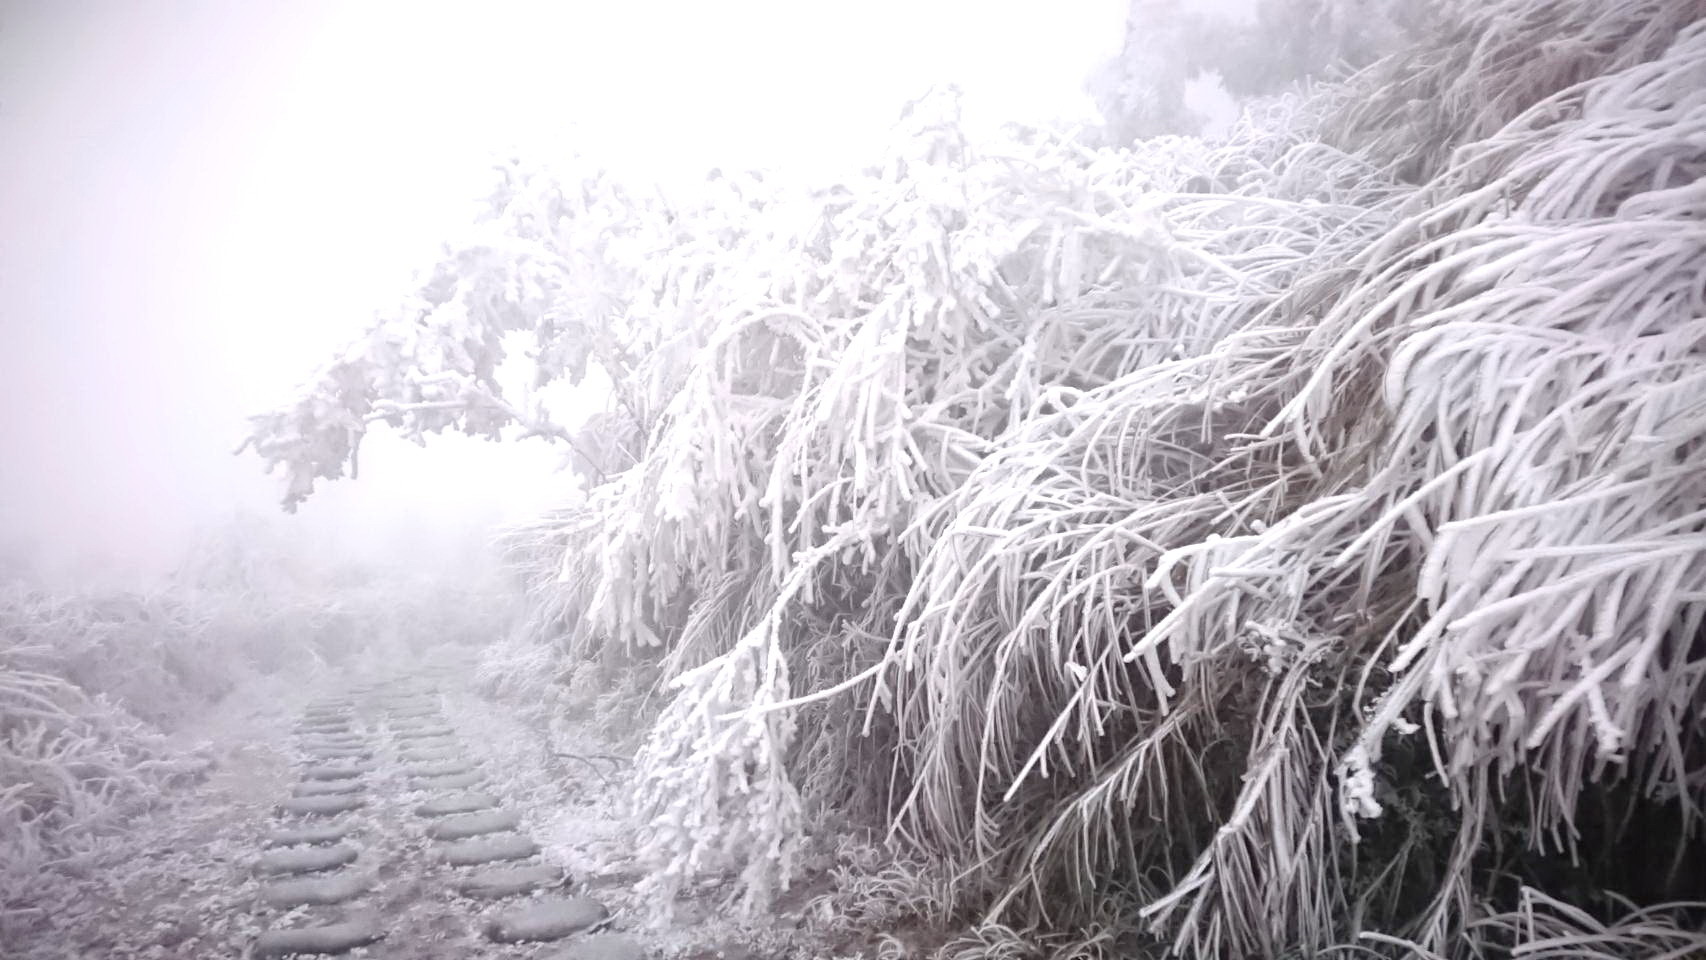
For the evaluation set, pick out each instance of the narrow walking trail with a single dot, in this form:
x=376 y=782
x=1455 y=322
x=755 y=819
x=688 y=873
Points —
x=431 y=817
x=396 y=816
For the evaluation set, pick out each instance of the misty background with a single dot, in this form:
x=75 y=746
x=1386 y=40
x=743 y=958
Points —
x=202 y=201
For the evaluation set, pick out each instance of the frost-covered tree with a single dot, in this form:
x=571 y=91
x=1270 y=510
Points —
x=1248 y=48
x=1264 y=545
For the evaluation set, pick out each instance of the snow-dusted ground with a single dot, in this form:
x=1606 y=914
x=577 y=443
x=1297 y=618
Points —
x=178 y=881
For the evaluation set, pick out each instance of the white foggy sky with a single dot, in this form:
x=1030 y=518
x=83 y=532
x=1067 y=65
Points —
x=200 y=200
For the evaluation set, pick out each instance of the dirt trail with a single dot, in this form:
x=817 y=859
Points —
x=382 y=817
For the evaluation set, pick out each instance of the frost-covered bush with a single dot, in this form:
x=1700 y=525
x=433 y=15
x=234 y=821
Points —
x=1265 y=544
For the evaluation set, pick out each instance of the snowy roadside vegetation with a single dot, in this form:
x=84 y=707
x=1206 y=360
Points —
x=101 y=690
x=1232 y=548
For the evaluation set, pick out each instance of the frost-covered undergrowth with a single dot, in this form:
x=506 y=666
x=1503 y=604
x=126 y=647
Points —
x=92 y=683
x=1264 y=545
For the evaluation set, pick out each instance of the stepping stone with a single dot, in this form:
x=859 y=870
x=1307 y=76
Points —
x=326 y=720
x=413 y=754
x=418 y=725
x=493 y=883
x=416 y=744
x=444 y=769
x=455 y=781
x=291 y=836
x=326 y=788
x=548 y=919
x=467 y=825
x=321 y=806
x=456 y=803
x=601 y=946
x=329 y=771
x=340 y=740
x=315 y=891
x=338 y=753
x=316 y=744
x=472 y=853
x=432 y=721
x=303 y=860
x=334 y=938
x=423 y=734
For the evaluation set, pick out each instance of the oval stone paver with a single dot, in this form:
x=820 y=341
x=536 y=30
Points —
x=336 y=713
x=333 y=744
x=548 y=919
x=321 y=806
x=600 y=946
x=338 y=753
x=425 y=741
x=326 y=788
x=455 y=781
x=304 y=860
x=424 y=732
x=456 y=803
x=316 y=891
x=421 y=728
x=426 y=744
x=492 y=849
x=327 y=725
x=436 y=741
x=467 y=825
x=440 y=755
x=416 y=713
x=336 y=771
x=442 y=769
x=315 y=834
x=326 y=721
x=492 y=883
x=335 y=741
x=333 y=938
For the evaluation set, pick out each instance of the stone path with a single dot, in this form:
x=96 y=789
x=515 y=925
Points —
x=390 y=805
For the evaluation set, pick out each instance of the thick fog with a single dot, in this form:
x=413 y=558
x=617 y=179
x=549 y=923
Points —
x=201 y=201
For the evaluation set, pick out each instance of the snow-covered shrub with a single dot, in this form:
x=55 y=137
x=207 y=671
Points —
x=1267 y=543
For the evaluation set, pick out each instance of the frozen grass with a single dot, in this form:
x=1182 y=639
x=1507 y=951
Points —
x=91 y=683
x=1268 y=545
x=84 y=683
